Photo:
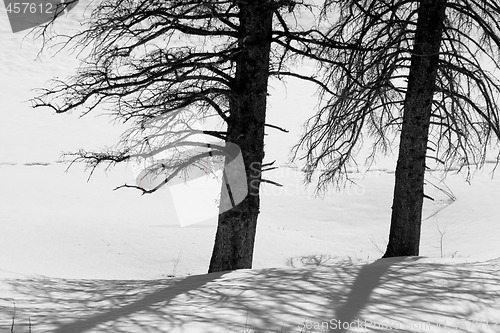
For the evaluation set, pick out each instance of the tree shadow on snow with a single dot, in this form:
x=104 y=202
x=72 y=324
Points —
x=389 y=294
x=369 y=278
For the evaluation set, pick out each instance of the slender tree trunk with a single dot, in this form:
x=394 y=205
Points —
x=234 y=241
x=404 y=238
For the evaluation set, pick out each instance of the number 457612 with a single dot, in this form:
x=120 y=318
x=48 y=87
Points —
x=29 y=7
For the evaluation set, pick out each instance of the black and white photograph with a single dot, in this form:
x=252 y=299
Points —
x=249 y=166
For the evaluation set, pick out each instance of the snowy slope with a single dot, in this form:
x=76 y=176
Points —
x=398 y=294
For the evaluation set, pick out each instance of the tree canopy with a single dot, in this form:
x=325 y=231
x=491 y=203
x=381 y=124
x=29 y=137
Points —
x=368 y=89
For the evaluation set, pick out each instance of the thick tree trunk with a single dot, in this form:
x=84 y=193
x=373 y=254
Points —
x=234 y=241
x=404 y=238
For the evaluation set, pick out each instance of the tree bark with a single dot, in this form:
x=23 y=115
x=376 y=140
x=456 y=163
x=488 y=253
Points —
x=404 y=238
x=234 y=240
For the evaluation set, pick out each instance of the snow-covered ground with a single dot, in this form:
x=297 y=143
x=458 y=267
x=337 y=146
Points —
x=399 y=294
x=76 y=256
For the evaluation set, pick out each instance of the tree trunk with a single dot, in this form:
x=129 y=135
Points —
x=404 y=238
x=234 y=241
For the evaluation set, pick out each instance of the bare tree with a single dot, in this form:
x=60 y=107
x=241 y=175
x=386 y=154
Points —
x=164 y=67
x=421 y=70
